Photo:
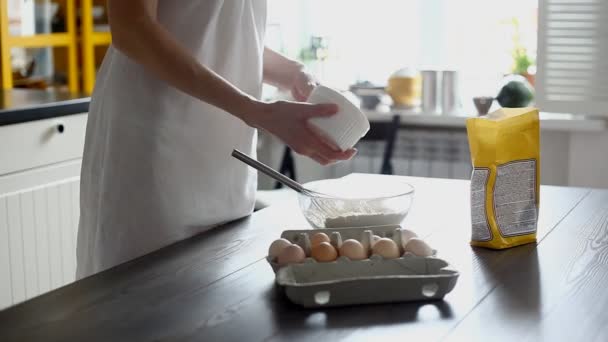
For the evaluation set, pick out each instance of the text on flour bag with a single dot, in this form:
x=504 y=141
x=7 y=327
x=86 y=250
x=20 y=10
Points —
x=505 y=183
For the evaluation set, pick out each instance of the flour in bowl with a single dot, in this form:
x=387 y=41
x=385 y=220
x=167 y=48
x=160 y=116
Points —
x=363 y=220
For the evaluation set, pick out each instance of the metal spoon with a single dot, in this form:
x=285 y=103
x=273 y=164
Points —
x=275 y=175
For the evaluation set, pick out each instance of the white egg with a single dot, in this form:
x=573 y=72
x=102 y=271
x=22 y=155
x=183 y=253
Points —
x=386 y=248
x=418 y=247
x=276 y=247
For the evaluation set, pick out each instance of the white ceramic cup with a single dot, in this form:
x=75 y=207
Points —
x=347 y=126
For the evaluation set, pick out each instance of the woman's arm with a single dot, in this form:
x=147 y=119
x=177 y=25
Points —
x=288 y=74
x=137 y=34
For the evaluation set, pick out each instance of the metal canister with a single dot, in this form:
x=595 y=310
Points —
x=430 y=91
x=450 y=94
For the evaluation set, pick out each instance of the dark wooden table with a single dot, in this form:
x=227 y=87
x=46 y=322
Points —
x=218 y=287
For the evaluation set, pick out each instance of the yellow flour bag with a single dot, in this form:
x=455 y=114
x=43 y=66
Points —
x=505 y=184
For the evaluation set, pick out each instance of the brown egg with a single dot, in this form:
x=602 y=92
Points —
x=276 y=247
x=318 y=238
x=418 y=247
x=386 y=248
x=406 y=235
x=353 y=250
x=324 y=252
x=292 y=254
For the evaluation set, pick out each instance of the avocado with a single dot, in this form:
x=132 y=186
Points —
x=515 y=94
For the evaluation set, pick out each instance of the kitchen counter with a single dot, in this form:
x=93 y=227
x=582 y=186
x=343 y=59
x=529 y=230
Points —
x=548 y=121
x=217 y=286
x=570 y=143
x=23 y=105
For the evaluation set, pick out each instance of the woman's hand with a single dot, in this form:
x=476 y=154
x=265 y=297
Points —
x=288 y=121
x=302 y=85
x=287 y=74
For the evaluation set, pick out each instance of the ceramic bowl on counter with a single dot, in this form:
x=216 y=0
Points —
x=370 y=95
x=404 y=88
x=344 y=205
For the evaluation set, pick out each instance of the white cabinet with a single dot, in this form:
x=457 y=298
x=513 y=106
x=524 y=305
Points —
x=39 y=205
x=39 y=143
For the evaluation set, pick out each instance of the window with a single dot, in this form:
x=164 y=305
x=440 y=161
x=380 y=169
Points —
x=368 y=40
x=573 y=51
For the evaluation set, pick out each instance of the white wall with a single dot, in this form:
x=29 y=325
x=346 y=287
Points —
x=588 y=155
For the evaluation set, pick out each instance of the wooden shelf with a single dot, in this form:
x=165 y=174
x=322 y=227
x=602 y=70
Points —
x=41 y=40
x=101 y=38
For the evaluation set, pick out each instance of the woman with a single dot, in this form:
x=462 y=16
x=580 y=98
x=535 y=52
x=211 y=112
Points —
x=177 y=92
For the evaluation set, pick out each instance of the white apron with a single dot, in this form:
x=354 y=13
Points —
x=157 y=166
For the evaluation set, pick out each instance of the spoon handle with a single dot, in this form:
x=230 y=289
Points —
x=268 y=171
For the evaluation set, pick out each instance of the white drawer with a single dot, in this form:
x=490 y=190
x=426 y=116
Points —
x=42 y=142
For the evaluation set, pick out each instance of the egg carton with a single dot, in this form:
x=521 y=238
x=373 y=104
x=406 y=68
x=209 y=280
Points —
x=337 y=235
x=373 y=280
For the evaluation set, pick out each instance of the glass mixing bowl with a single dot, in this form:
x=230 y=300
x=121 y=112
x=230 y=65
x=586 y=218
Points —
x=344 y=204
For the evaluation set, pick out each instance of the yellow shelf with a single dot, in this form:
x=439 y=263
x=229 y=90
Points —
x=90 y=40
x=86 y=41
x=101 y=38
x=40 y=40
x=67 y=40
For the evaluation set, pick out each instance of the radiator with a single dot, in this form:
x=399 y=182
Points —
x=38 y=240
x=418 y=153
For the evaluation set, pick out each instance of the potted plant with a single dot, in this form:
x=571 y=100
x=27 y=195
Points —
x=523 y=63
